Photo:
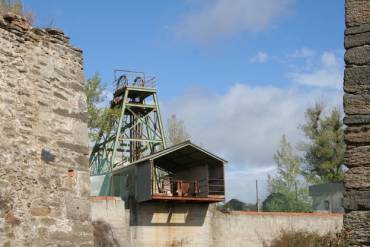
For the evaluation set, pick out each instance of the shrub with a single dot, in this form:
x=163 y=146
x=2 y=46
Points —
x=16 y=7
x=103 y=234
x=307 y=239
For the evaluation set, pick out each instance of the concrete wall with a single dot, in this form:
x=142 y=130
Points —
x=44 y=178
x=357 y=110
x=185 y=224
x=328 y=202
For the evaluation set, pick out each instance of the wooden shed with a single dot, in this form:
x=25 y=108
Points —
x=185 y=172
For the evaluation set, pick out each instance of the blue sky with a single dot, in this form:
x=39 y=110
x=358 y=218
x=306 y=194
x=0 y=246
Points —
x=239 y=72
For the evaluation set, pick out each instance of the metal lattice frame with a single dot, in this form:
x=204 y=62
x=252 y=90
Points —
x=136 y=132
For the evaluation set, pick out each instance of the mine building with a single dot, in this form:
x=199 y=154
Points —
x=327 y=197
x=131 y=158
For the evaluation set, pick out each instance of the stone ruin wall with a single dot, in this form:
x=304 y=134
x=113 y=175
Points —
x=44 y=177
x=357 y=119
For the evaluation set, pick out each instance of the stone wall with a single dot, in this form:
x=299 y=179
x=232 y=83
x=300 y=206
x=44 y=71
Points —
x=166 y=224
x=44 y=178
x=357 y=119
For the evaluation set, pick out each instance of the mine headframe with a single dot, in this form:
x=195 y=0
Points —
x=133 y=126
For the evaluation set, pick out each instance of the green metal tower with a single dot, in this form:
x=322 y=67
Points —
x=135 y=127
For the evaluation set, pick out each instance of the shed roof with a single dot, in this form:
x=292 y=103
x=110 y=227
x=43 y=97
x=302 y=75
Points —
x=183 y=155
x=328 y=188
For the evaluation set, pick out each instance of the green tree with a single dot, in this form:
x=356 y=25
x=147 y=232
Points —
x=237 y=205
x=100 y=118
x=176 y=132
x=16 y=7
x=276 y=202
x=288 y=192
x=324 y=152
x=94 y=97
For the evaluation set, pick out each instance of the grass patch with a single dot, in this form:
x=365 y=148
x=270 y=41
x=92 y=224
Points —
x=307 y=239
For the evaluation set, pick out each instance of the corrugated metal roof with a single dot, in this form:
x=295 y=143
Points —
x=183 y=153
x=328 y=188
x=182 y=145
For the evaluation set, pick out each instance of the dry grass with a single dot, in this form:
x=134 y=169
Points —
x=178 y=243
x=103 y=234
x=16 y=7
x=307 y=239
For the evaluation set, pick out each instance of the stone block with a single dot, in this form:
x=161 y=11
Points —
x=11 y=219
x=77 y=208
x=82 y=161
x=356 y=104
x=355 y=156
x=357 y=225
x=358 y=178
x=81 y=116
x=40 y=211
x=357 y=56
x=82 y=227
x=351 y=120
x=357 y=135
x=74 y=147
x=357 y=29
x=355 y=40
x=357 y=80
x=83 y=183
x=357 y=12
x=61 y=236
x=357 y=200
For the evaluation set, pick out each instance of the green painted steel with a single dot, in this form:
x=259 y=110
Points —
x=136 y=132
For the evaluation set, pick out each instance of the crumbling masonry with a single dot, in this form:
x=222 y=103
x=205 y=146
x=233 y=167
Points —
x=44 y=178
x=357 y=119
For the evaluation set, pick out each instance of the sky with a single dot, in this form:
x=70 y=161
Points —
x=240 y=73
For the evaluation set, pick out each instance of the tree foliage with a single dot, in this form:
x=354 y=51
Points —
x=324 y=151
x=237 y=205
x=94 y=96
x=176 y=132
x=100 y=119
x=275 y=202
x=16 y=7
x=287 y=191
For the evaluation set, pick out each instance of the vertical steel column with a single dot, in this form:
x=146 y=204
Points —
x=119 y=129
x=160 y=121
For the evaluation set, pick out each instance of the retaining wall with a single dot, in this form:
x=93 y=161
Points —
x=186 y=224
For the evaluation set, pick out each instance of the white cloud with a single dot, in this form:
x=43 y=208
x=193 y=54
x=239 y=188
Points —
x=245 y=124
x=326 y=72
x=303 y=53
x=242 y=183
x=329 y=60
x=260 y=57
x=221 y=18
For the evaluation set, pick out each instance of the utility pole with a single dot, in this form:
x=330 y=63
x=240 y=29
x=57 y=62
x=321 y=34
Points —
x=296 y=195
x=258 y=202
